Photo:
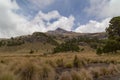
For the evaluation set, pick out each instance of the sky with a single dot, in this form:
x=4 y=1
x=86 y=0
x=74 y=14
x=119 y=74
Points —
x=22 y=17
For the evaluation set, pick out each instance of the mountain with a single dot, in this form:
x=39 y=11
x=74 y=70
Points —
x=39 y=42
x=43 y=42
x=59 y=31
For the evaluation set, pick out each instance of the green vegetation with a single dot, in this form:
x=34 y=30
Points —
x=2 y=43
x=99 y=51
x=113 y=30
x=112 y=44
x=38 y=36
x=67 y=46
x=11 y=42
x=14 y=42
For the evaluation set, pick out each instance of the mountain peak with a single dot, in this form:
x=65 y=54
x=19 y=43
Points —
x=60 y=30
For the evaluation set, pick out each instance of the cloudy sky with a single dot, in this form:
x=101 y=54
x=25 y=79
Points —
x=22 y=17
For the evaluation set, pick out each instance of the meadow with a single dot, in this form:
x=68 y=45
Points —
x=84 y=65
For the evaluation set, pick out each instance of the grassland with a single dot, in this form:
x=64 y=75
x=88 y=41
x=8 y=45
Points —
x=62 y=66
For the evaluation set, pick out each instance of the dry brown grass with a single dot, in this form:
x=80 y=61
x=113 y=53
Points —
x=40 y=67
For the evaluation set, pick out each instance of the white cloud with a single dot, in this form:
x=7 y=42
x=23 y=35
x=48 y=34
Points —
x=41 y=3
x=49 y=15
x=12 y=24
x=8 y=19
x=111 y=9
x=42 y=20
x=100 y=9
x=93 y=26
x=63 y=22
x=103 y=8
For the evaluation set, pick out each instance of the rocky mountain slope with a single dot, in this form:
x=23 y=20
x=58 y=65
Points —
x=43 y=42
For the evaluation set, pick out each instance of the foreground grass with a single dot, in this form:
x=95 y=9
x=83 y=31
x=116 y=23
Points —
x=62 y=66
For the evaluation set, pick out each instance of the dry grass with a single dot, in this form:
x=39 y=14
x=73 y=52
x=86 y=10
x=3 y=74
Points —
x=40 y=67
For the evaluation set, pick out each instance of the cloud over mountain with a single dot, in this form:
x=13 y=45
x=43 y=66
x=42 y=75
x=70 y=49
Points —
x=12 y=24
x=93 y=26
x=46 y=17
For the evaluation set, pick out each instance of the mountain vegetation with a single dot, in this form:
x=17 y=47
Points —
x=112 y=44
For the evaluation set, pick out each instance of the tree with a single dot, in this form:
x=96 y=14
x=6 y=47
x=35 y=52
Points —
x=111 y=46
x=113 y=30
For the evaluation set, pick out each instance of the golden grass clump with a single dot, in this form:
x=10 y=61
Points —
x=7 y=76
x=75 y=75
x=27 y=71
x=85 y=75
x=95 y=72
x=113 y=69
x=60 y=63
x=65 y=76
x=46 y=73
x=34 y=71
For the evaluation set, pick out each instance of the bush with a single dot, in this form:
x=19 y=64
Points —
x=99 y=51
x=111 y=46
x=14 y=42
x=67 y=46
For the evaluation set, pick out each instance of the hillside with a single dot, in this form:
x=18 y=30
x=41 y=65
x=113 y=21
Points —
x=45 y=42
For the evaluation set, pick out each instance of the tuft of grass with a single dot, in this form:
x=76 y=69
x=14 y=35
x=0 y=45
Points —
x=85 y=75
x=65 y=76
x=69 y=65
x=60 y=63
x=27 y=71
x=95 y=72
x=46 y=73
x=75 y=75
x=113 y=69
x=76 y=62
x=7 y=76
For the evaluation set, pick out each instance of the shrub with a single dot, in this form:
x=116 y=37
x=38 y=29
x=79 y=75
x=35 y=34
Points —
x=111 y=46
x=99 y=51
x=65 y=47
x=82 y=49
x=14 y=42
